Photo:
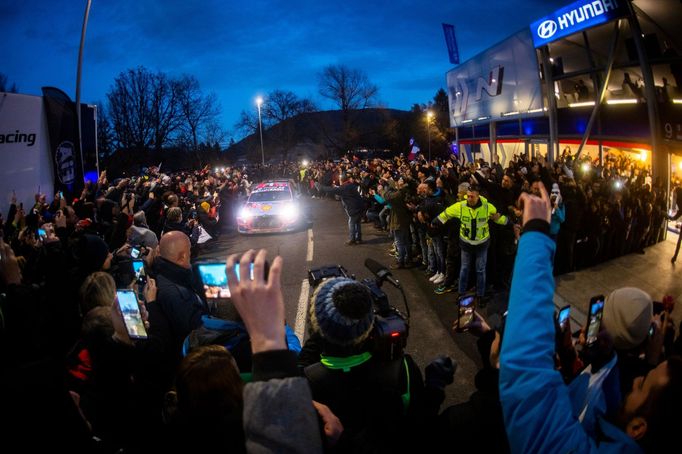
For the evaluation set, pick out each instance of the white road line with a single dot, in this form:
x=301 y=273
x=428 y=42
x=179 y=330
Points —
x=302 y=311
x=309 y=255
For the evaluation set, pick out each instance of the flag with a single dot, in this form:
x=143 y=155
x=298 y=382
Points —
x=62 y=127
x=451 y=41
x=414 y=150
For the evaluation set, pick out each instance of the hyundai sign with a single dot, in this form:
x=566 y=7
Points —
x=574 y=18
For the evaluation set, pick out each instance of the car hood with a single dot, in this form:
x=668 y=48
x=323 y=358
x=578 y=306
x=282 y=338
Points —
x=267 y=208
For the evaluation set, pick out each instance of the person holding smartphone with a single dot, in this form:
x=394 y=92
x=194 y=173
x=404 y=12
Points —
x=538 y=411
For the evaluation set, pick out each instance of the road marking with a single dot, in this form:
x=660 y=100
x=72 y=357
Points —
x=302 y=311
x=309 y=255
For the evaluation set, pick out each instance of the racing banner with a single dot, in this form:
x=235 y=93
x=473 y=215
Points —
x=62 y=126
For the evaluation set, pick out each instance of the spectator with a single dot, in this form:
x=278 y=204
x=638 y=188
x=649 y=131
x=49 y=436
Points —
x=205 y=409
x=535 y=401
x=140 y=234
x=353 y=203
x=178 y=308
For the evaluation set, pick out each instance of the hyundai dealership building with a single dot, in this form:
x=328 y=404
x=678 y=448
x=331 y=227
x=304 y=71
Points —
x=598 y=76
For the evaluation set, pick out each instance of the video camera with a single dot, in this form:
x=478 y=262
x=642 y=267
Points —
x=391 y=326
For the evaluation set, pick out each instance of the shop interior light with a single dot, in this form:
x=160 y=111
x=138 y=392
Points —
x=482 y=118
x=537 y=110
x=466 y=121
x=581 y=104
x=642 y=154
x=508 y=114
x=677 y=101
x=680 y=165
x=622 y=101
x=586 y=166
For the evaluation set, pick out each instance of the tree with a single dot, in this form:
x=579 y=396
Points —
x=277 y=113
x=3 y=84
x=351 y=90
x=104 y=133
x=198 y=112
x=143 y=109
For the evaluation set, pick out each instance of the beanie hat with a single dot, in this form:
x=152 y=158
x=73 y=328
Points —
x=92 y=252
x=342 y=311
x=627 y=317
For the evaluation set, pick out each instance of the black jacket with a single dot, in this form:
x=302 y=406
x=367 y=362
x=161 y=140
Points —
x=178 y=307
x=353 y=202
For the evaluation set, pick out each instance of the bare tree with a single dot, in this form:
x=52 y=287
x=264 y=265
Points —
x=198 y=112
x=104 y=133
x=3 y=84
x=351 y=90
x=143 y=109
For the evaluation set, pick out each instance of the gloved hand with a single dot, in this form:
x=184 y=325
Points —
x=440 y=372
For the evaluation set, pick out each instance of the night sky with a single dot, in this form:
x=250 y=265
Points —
x=240 y=49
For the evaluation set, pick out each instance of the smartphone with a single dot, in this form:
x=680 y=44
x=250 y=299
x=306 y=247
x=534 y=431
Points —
x=127 y=302
x=214 y=278
x=134 y=252
x=465 y=312
x=42 y=234
x=138 y=269
x=594 y=319
x=564 y=317
x=61 y=194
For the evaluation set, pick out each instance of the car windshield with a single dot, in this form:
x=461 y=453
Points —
x=270 y=196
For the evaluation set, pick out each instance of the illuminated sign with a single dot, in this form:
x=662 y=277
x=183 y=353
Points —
x=574 y=18
x=498 y=81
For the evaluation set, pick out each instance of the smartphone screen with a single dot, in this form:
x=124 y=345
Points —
x=127 y=302
x=594 y=322
x=564 y=317
x=138 y=269
x=42 y=234
x=214 y=278
x=134 y=252
x=466 y=312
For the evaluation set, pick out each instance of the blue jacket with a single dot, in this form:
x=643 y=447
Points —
x=558 y=218
x=538 y=412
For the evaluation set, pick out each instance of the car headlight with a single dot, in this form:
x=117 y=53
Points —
x=244 y=213
x=291 y=212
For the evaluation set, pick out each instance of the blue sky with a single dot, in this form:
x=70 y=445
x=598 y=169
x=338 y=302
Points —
x=241 y=49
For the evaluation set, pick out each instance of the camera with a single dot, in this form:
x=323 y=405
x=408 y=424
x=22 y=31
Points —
x=391 y=326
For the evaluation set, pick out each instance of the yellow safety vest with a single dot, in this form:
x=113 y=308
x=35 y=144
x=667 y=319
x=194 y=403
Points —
x=473 y=220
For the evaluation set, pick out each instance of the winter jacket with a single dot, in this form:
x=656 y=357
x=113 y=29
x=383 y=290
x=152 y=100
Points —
x=536 y=404
x=352 y=201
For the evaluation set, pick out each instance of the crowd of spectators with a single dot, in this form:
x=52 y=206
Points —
x=231 y=377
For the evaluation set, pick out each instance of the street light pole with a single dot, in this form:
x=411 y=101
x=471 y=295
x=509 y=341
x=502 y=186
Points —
x=259 y=101
x=429 y=114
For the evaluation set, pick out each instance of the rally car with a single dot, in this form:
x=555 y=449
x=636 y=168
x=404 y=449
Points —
x=271 y=207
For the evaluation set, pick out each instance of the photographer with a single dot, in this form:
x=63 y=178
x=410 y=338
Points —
x=374 y=397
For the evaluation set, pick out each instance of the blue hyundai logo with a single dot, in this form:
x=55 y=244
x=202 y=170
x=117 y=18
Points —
x=547 y=29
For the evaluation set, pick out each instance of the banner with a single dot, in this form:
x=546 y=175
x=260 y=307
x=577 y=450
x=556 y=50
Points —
x=501 y=82
x=25 y=162
x=576 y=17
x=62 y=125
x=451 y=42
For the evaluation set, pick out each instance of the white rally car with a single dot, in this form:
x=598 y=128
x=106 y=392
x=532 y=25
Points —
x=271 y=207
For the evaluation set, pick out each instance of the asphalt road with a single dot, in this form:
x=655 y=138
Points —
x=322 y=243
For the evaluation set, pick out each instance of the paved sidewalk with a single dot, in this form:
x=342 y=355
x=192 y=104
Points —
x=652 y=272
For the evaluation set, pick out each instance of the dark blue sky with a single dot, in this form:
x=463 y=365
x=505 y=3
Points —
x=240 y=49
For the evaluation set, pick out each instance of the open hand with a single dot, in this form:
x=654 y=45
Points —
x=259 y=301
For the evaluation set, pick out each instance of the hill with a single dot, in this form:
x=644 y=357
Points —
x=324 y=134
